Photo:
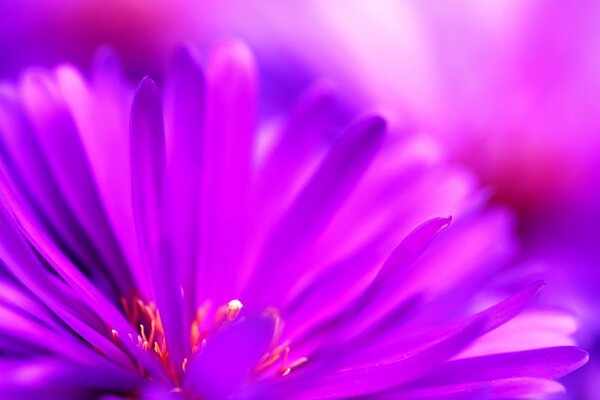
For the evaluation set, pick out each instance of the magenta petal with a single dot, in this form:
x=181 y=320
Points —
x=21 y=261
x=148 y=194
x=184 y=128
x=379 y=298
x=415 y=357
x=25 y=167
x=57 y=135
x=381 y=377
x=148 y=160
x=406 y=359
x=228 y=358
x=410 y=249
x=501 y=389
x=328 y=293
x=46 y=374
x=305 y=136
x=231 y=108
x=547 y=363
x=75 y=300
x=490 y=319
x=338 y=174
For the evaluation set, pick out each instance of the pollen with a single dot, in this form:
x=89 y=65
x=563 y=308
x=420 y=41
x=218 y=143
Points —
x=234 y=307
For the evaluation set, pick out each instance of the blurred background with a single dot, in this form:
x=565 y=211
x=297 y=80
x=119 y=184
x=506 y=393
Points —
x=509 y=89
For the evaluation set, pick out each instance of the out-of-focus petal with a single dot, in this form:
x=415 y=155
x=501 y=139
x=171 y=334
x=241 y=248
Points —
x=314 y=206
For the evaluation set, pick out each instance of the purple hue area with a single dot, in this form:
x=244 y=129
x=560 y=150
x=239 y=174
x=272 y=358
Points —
x=172 y=244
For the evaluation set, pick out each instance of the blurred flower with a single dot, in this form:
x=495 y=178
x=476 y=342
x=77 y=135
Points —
x=207 y=255
x=509 y=88
x=46 y=32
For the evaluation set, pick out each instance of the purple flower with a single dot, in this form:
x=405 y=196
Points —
x=207 y=256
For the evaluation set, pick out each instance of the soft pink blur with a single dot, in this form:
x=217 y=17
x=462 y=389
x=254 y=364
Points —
x=47 y=32
x=510 y=87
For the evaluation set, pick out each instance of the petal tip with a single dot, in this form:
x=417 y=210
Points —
x=233 y=51
x=146 y=84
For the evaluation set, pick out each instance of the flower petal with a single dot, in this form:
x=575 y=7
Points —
x=63 y=151
x=501 y=389
x=379 y=297
x=373 y=368
x=24 y=166
x=548 y=363
x=184 y=128
x=230 y=124
x=281 y=260
x=148 y=159
x=305 y=136
x=381 y=377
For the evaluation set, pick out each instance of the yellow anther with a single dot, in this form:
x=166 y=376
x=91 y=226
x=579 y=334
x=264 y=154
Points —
x=298 y=362
x=195 y=333
x=284 y=360
x=162 y=355
x=152 y=331
x=151 y=336
x=143 y=332
x=234 y=307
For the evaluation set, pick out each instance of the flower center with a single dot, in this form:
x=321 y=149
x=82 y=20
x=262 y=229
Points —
x=151 y=336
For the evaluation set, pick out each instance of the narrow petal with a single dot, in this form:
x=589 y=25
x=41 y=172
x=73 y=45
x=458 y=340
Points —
x=380 y=296
x=74 y=299
x=20 y=260
x=231 y=107
x=491 y=318
x=148 y=163
x=148 y=158
x=410 y=249
x=407 y=357
x=501 y=389
x=309 y=130
x=37 y=377
x=549 y=363
x=57 y=135
x=381 y=377
x=532 y=329
x=24 y=166
x=281 y=260
x=184 y=124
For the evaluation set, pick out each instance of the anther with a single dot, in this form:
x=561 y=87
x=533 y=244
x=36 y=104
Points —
x=143 y=332
x=115 y=335
x=234 y=307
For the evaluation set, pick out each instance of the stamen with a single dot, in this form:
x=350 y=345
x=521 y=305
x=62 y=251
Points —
x=270 y=358
x=143 y=332
x=294 y=365
x=151 y=336
x=285 y=359
x=152 y=331
x=298 y=362
x=234 y=307
x=228 y=312
x=115 y=336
